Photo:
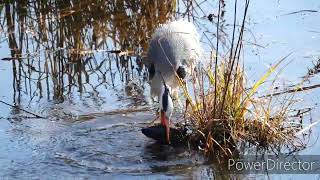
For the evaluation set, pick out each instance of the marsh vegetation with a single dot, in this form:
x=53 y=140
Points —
x=78 y=67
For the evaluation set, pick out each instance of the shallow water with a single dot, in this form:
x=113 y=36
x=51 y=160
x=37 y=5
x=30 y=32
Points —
x=103 y=146
x=84 y=133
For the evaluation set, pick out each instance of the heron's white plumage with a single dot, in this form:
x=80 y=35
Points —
x=172 y=45
x=183 y=35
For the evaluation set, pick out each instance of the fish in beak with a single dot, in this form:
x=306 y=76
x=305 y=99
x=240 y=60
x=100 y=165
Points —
x=166 y=124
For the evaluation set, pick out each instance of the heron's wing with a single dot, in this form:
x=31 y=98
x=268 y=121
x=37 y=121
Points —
x=178 y=40
x=163 y=54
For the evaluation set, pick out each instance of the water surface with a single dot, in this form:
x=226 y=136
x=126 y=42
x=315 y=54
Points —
x=56 y=63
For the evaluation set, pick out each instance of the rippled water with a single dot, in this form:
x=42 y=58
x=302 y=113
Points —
x=103 y=146
x=84 y=134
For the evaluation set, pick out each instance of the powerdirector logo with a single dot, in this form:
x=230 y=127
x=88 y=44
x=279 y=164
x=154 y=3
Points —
x=271 y=164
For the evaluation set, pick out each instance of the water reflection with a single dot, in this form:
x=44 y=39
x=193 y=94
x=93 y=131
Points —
x=55 y=45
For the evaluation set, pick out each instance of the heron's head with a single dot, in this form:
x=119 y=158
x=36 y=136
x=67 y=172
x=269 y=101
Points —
x=166 y=107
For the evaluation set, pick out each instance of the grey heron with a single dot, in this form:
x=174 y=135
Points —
x=174 y=50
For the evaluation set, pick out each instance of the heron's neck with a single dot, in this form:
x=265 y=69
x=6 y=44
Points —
x=166 y=103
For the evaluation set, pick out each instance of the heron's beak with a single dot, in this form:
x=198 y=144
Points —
x=165 y=123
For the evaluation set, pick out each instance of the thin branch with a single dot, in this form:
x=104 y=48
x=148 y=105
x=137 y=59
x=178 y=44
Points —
x=16 y=107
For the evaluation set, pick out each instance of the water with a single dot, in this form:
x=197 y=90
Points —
x=41 y=148
x=90 y=129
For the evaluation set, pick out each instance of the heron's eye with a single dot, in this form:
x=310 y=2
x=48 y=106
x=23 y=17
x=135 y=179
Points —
x=181 y=71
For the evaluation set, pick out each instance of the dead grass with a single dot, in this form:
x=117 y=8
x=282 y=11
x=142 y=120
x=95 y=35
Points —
x=227 y=115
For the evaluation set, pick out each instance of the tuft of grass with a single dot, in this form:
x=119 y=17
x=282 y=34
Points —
x=226 y=114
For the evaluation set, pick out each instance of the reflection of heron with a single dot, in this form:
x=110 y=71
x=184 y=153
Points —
x=173 y=50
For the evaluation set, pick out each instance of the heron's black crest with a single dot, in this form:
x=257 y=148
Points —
x=152 y=71
x=181 y=72
x=165 y=98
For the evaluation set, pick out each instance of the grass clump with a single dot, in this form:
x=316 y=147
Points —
x=227 y=115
